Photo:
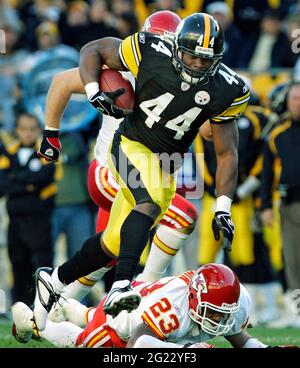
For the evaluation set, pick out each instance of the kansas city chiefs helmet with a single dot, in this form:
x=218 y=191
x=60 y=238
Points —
x=162 y=22
x=214 y=288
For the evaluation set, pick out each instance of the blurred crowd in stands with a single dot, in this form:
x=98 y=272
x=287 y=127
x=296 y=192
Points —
x=42 y=37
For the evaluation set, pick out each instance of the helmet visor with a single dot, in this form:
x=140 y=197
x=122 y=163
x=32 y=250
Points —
x=205 y=67
x=214 y=320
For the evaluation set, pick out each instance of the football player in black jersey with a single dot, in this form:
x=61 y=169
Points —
x=179 y=86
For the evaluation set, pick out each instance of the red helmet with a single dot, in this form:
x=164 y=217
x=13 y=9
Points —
x=214 y=287
x=162 y=22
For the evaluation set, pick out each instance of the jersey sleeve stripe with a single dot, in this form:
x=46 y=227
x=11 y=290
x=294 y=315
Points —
x=231 y=113
x=223 y=118
x=122 y=58
x=137 y=48
x=187 y=276
x=147 y=319
x=206 y=30
x=240 y=102
x=96 y=338
x=242 y=97
x=130 y=53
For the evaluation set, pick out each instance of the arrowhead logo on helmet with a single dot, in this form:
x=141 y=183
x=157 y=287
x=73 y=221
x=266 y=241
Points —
x=214 y=291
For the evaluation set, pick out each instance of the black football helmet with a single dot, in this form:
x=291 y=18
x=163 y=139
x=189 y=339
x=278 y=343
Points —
x=200 y=36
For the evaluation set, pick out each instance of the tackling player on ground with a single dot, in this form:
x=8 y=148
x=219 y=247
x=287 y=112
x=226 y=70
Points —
x=175 y=312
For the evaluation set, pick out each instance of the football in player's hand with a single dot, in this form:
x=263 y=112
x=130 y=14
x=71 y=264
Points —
x=110 y=81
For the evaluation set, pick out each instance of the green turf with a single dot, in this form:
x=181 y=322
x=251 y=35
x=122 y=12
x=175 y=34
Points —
x=267 y=335
x=8 y=341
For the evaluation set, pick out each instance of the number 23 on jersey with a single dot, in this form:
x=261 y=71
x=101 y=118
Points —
x=163 y=316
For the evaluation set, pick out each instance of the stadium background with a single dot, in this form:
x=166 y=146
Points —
x=45 y=36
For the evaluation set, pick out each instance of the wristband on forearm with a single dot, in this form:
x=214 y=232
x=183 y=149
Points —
x=254 y=343
x=91 y=89
x=223 y=204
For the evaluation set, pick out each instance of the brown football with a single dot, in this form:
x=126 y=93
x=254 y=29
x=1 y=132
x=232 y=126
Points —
x=110 y=81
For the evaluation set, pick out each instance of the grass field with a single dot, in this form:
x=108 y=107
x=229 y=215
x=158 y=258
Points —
x=267 y=335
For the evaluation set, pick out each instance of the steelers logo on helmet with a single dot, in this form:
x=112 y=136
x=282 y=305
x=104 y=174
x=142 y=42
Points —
x=200 y=36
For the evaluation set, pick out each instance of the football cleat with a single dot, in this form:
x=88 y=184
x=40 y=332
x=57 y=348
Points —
x=22 y=322
x=121 y=297
x=46 y=296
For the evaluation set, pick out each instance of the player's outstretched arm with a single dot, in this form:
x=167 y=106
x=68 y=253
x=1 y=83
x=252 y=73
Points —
x=225 y=138
x=144 y=337
x=244 y=340
x=62 y=86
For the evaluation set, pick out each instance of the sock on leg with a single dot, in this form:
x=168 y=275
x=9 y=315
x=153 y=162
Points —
x=165 y=245
x=88 y=259
x=134 y=237
x=81 y=287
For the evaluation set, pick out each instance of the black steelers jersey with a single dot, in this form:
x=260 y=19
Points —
x=168 y=111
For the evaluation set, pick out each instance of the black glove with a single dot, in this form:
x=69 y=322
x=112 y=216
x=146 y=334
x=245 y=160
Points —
x=50 y=146
x=222 y=222
x=104 y=102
